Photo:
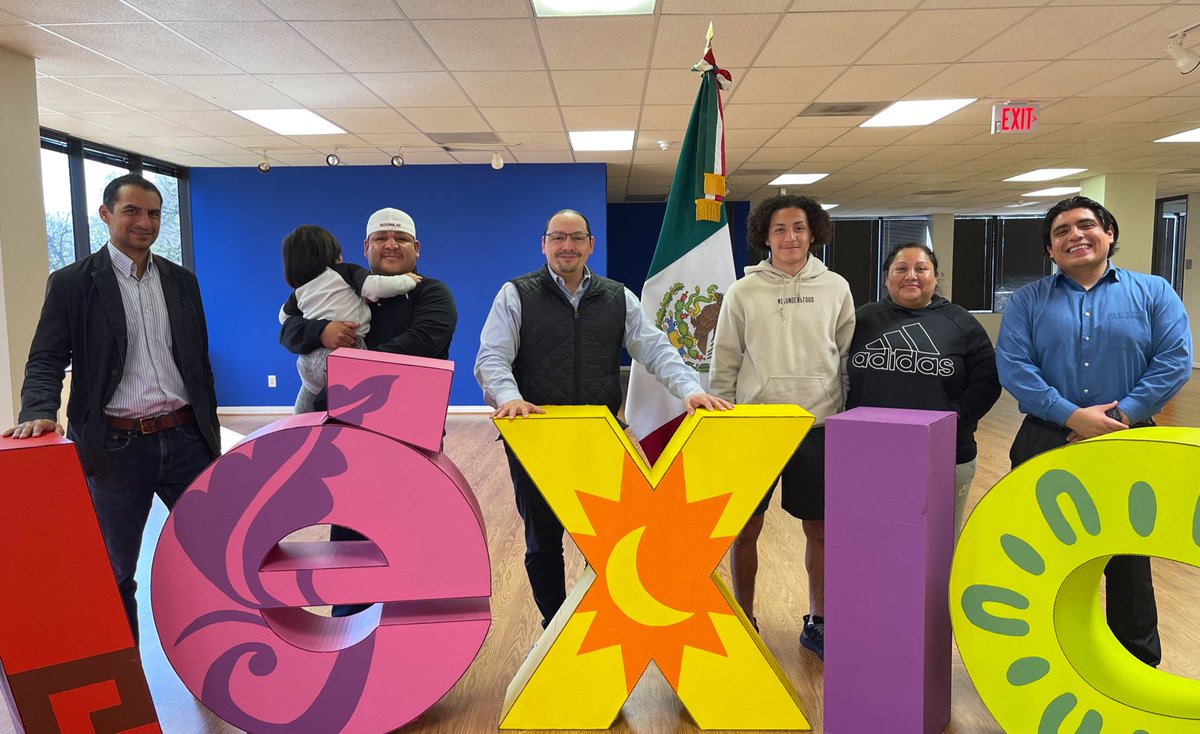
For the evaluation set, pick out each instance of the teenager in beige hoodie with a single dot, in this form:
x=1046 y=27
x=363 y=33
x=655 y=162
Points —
x=783 y=336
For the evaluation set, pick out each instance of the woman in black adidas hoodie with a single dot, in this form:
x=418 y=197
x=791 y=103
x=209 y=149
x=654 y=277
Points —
x=915 y=349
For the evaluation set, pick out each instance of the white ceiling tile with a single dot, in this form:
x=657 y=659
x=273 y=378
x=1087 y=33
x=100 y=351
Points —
x=259 y=47
x=828 y=38
x=523 y=119
x=618 y=87
x=791 y=85
x=1155 y=108
x=56 y=56
x=141 y=92
x=416 y=89
x=61 y=97
x=10 y=19
x=1065 y=78
x=526 y=141
x=867 y=167
x=843 y=153
x=428 y=158
x=749 y=138
x=370 y=46
x=616 y=185
x=507 y=88
x=232 y=92
x=785 y=157
x=879 y=83
x=939 y=134
x=666 y=159
x=147 y=47
x=597 y=42
x=650 y=138
x=376 y=120
x=1022 y=150
x=298 y=157
x=168 y=10
x=645 y=185
x=397 y=140
x=215 y=122
x=87 y=130
x=341 y=10
x=446 y=119
x=806 y=137
x=422 y=9
x=600 y=118
x=1144 y=39
x=471 y=45
x=195 y=161
x=324 y=90
x=329 y=141
x=963 y=80
x=949 y=34
x=73 y=11
x=736 y=41
x=752 y=116
x=667 y=117
x=476 y=156
x=252 y=142
x=372 y=157
x=137 y=123
x=1040 y=35
x=843 y=122
x=237 y=160
x=620 y=157
x=200 y=145
x=736 y=156
x=799 y=6
x=872 y=136
x=1154 y=78
x=544 y=156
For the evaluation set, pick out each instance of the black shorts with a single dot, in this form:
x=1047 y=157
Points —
x=803 y=480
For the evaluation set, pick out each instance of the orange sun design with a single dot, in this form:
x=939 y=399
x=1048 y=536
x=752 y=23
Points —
x=655 y=607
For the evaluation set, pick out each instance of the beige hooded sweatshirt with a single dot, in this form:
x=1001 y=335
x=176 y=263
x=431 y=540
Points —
x=785 y=339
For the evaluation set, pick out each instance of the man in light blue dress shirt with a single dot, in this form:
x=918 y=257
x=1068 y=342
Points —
x=1087 y=351
x=554 y=337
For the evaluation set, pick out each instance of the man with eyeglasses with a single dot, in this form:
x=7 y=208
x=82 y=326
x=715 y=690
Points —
x=554 y=337
x=1087 y=351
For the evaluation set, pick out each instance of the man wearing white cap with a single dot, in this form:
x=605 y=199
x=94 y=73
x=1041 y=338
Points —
x=419 y=323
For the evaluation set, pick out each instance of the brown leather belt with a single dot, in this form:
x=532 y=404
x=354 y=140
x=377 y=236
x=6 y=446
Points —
x=154 y=423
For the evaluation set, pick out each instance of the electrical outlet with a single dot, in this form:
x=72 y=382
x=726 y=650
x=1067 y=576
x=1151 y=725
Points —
x=270 y=380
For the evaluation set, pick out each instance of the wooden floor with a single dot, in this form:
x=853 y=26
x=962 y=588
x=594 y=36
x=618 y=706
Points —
x=474 y=704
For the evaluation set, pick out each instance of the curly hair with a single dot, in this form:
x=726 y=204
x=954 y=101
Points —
x=759 y=221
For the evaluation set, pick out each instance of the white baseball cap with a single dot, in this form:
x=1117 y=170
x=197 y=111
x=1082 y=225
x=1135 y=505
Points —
x=391 y=220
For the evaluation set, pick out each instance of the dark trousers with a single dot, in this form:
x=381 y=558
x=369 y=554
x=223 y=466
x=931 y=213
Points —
x=543 y=542
x=1130 y=611
x=162 y=464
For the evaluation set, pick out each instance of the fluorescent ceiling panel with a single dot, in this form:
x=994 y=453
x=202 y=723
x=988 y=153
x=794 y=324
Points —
x=1188 y=136
x=291 y=122
x=584 y=140
x=827 y=207
x=1058 y=191
x=1046 y=174
x=560 y=8
x=916 y=112
x=797 y=179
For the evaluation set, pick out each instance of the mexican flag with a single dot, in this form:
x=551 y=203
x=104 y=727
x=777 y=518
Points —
x=693 y=262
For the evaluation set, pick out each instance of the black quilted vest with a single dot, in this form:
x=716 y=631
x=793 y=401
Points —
x=569 y=358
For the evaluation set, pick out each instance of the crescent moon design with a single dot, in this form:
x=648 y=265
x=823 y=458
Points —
x=626 y=589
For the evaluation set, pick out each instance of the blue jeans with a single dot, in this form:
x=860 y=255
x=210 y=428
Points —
x=162 y=464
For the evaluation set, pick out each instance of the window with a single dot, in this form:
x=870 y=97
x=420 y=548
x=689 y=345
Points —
x=860 y=246
x=1169 y=240
x=994 y=256
x=74 y=174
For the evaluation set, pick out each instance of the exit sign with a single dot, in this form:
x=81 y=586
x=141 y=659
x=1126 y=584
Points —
x=1015 y=117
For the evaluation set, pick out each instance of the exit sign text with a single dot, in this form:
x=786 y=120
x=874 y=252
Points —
x=1015 y=117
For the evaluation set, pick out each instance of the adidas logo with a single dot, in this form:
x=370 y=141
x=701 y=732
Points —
x=907 y=349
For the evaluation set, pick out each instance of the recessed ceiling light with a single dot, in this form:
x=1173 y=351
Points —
x=797 y=179
x=291 y=122
x=1046 y=174
x=552 y=8
x=1188 y=136
x=602 y=140
x=1058 y=191
x=916 y=112
x=827 y=207
x=1023 y=203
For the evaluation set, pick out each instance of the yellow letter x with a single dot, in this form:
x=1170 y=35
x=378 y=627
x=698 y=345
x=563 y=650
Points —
x=652 y=539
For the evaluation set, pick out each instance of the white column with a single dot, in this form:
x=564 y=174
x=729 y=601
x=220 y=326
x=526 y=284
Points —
x=941 y=233
x=1130 y=197
x=24 y=263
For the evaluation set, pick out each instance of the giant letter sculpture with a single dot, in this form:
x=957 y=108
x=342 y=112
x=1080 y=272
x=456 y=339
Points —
x=653 y=539
x=69 y=660
x=1023 y=587
x=228 y=596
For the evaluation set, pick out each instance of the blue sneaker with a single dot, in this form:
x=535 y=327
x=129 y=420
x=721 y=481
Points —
x=812 y=637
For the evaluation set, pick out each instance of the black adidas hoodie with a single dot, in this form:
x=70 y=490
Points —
x=932 y=358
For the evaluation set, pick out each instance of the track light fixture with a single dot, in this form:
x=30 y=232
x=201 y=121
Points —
x=264 y=165
x=1185 y=59
x=398 y=159
x=332 y=159
x=497 y=161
